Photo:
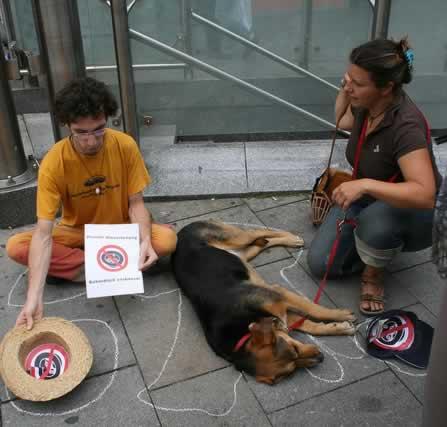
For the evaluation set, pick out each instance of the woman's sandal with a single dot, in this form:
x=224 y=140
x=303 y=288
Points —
x=371 y=278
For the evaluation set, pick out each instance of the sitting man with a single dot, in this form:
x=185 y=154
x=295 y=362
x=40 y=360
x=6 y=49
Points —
x=97 y=175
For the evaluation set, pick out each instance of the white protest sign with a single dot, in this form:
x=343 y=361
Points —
x=111 y=260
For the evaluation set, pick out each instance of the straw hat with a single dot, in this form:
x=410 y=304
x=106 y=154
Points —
x=24 y=359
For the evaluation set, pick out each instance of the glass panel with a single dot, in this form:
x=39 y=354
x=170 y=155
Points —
x=97 y=38
x=198 y=105
x=424 y=22
x=202 y=106
x=25 y=31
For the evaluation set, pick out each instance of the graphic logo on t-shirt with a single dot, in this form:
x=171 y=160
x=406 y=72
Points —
x=112 y=258
x=377 y=149
x=97 y=179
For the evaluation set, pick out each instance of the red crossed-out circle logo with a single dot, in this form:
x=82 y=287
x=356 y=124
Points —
x=47 y=361
x=112 y=258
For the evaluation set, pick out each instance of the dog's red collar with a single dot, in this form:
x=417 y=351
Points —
x=241 y=342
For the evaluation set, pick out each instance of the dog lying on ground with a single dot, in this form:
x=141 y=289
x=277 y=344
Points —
x=231 y=299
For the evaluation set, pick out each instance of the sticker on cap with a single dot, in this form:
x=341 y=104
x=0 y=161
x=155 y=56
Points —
x=400 y=334
x=394 y=333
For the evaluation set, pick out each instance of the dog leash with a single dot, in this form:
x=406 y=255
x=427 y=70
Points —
x=331 y=259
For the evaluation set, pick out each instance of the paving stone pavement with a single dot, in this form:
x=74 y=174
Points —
x=153 y=367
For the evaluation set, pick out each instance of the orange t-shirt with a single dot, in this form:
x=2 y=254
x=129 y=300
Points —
x=92 y=189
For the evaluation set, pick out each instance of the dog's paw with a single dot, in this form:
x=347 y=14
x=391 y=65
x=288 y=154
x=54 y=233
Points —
x=299 y=241
x=294 y=241
x=346 y=314
x=346 y=328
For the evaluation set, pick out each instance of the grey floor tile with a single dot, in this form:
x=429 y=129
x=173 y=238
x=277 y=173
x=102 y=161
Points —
x=166 y=212
x=261 y=202
x=377 y=401
x=224 y=394
x=191 y=169
x=409 y=259
x=425 y=284
x=289 y=166
x=165 y=333
x=107 y=400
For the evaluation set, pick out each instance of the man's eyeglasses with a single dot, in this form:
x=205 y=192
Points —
x=86 y=135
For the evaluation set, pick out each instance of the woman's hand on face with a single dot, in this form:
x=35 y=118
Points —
x=348 y=192
x=345 y=82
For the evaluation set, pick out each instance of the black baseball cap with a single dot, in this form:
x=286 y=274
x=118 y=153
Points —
x=400 y=334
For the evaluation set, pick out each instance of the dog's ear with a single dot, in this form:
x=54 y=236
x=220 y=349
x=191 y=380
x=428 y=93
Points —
x=285 y=350
x=261 y=333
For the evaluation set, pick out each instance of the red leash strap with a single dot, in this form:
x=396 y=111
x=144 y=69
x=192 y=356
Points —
x=49 y=363
x=358 y=149
x=241 y=342
x=323 y=282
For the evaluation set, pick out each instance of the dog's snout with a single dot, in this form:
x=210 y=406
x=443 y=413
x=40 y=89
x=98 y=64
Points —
x=320 y=357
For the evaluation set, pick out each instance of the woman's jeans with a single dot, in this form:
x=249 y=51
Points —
x=381 y=232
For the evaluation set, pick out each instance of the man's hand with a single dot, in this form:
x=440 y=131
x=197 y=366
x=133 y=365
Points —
x=147 y=255
x=31 y=311
x=348 y=192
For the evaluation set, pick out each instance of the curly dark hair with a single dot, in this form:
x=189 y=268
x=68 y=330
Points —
x=385 y=60
x=85 y=97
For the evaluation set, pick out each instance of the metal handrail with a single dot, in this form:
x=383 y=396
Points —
x=261 y=50
x=167 y=66
x=173 y=66
x=217 y=72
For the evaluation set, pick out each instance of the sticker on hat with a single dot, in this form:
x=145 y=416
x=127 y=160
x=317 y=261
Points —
x=46 y=361
x=400 y=334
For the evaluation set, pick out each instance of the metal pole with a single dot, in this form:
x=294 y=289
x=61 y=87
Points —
x=60 y=44
x=9 y=21
x=12 y=156
x=124 y=63
x=381 y=19
x=223 y=75
x=263 y=51
x=186 y=34
x=307 y=33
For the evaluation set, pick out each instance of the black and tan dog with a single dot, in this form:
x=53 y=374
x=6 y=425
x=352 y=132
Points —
x=231 y=299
